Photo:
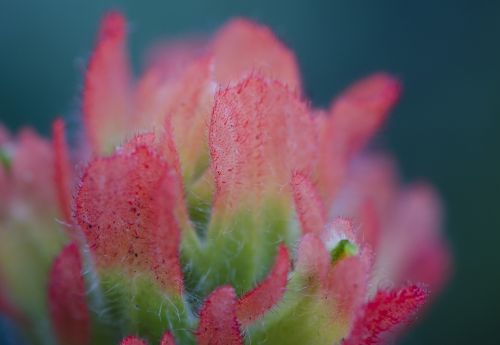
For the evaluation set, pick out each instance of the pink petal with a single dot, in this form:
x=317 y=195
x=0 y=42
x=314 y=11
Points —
x=106 y=96
x=131 y=340
x=313 y=260
x=189 y=111
x=308 y=204
x=66 y=294
x=218 y=322
x=243 y=47
x=370 y=224
x=355 y=116
x=4 y=135
x=167 y=339
x=358 y=113
x=165 y=64
x=259 y=133
x=385 y=311
x=413 y=242
x=164 y=145
x=126 y=206
x=348 y=283
x=31 y=183
x=62 y=169
x=254 y=304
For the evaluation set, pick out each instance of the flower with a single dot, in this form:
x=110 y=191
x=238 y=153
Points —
x=207 y=203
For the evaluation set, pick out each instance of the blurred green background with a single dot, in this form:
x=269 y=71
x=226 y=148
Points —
x=446 y=128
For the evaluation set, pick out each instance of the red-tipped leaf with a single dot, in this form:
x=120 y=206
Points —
x=167 y=339
x=254 y=304
x=106 y=94
x=355 y=116
x=385 y=311
x=68 y=309
x=259 y=133
x=308 y=204
x=131 y=340
x=218 y=321
x=243 y=47
x=62 y=169
x=126 y=206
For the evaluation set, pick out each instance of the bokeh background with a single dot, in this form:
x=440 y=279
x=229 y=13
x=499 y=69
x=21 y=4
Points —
x=446 y=128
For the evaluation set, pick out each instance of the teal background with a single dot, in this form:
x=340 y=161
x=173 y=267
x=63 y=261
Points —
x=446 y=128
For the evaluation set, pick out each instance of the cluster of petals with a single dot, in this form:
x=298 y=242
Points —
x=207 y=203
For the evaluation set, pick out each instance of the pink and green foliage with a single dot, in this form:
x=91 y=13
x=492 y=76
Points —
x=207 y=203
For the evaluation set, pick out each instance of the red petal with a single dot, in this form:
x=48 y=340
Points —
x=254 y=304
x=66 y=294
x=167 y=339
x=126 y=207
x=218 y=322
x=386 y=310
x=62 y=169
x=243 y=47
x=259 y=134
x=308 y=205
x=131 y=340
x=355 y=117
x=106 y=96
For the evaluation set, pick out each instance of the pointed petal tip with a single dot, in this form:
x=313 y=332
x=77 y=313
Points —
x=254 y=304
x=113 y=25
x=106 y=103
x=243 y=46
x=167 y=339
x=218 y=323
x=376 y=93
x=132 y=340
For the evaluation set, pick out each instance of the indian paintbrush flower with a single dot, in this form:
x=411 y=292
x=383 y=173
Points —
x=208 y=203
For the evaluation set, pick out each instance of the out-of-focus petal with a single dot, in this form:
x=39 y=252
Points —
x=33 y=185
x=4 y=134
x=254 y=304
x=412 y=248
x=385 y=311
x=131 y=340
x=167 y=339
x=62 y=169
x=107 y=87
x=66 y=297
x=189 y=113
x=155 y=89
x=218 y=321
x=354 y=118
x=243 y=47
